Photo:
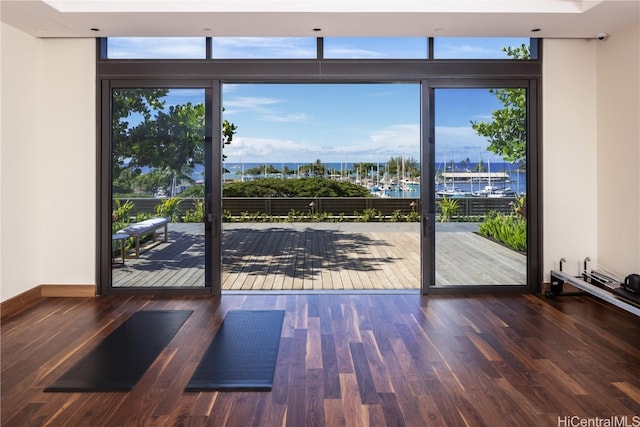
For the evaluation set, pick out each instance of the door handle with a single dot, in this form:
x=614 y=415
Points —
x=425 y=225
x=213 y=220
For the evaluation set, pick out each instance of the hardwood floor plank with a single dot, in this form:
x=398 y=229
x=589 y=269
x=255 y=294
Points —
x=330 y=372
x=391 y=410
x=314 y=407
x=334 y=413
x=631 y=391
x=377 y=367
x=314 y=344
x=366 y=386
x=356 y=414
x=296 y=398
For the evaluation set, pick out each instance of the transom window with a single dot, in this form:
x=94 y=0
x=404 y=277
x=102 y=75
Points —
x=365 y=48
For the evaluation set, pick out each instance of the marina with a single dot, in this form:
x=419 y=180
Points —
x=451 y=180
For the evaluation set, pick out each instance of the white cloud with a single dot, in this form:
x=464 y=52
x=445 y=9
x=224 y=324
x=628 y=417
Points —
x=256 y=105
x=460 y=142
x=457 y=143
x=262 y=108
x=351 y=53
x=156 y=47
x=379 y=144
x=264 y=47
x=289 y=117
x=269 y=150
x=250 y=103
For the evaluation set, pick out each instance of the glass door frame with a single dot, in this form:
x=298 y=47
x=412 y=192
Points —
x=533 y=185
x=213 y=184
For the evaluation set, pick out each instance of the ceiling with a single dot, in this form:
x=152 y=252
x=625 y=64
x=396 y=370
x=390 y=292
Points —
x=223 y=18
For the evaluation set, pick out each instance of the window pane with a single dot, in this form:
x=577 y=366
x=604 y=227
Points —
x=158 y=153
x=316 y=157
x=156 y=48
x=264 y=48
x=476 y=47
x=375 y=47
x=480 y=187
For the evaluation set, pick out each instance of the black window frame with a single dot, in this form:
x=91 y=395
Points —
x=447 y=72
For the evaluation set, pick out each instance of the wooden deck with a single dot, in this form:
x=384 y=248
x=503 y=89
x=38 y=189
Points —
x=323 y=256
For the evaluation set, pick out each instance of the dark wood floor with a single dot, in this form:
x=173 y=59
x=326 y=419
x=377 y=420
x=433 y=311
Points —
x=344 y=360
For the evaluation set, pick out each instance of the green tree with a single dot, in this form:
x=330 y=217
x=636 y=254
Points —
x=228 y=130
x=394 y=166
x=262 y=169
x=314 y=169
x=257 y=170
x=128 y=104
x=272 y=170
x=506 y=132
x=149 y=182
x=171 y=142
x=287 y=171
x=480 y=167
x=365 y=168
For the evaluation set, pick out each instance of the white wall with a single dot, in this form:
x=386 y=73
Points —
x=618 y=89
x=68 y=168
x=569 y=138
x=48 y=162
x=591 y=158
x=19 y=178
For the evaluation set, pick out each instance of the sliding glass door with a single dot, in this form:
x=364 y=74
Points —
x=478 y=194
x=160 y=171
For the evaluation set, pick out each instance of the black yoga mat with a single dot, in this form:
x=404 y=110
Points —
x=242 y=355
x=120 y=360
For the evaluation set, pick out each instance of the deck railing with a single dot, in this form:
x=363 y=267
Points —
x=468 y=206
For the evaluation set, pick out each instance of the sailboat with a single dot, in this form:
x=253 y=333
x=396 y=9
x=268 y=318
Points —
x=450 y=191
x=492 y=191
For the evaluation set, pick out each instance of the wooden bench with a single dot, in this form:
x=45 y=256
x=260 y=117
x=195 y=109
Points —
x=142 y=228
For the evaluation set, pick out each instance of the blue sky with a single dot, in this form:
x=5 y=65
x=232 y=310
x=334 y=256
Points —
x=333 y=122
x=349 y=122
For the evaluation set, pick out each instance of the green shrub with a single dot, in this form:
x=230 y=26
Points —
x=292 y=216
x=195 y=191
x=413 y=216
x=302 y=187
x=369 y=215
x=169 y=208
x=141 y=216
x=510 y=230
x=448 y=207
x=397 y=216
x=196 y=215
x=120 y=215
x=121 y=210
